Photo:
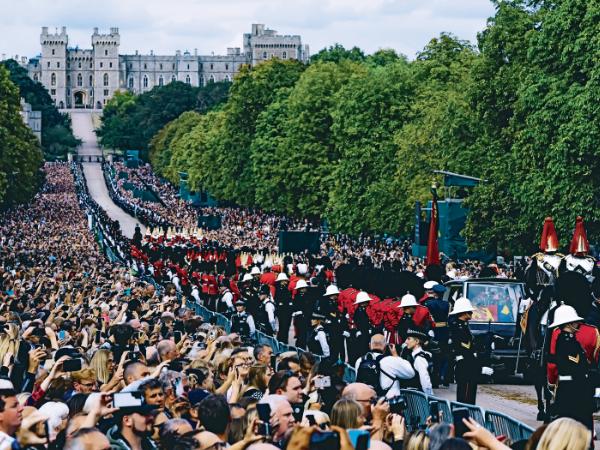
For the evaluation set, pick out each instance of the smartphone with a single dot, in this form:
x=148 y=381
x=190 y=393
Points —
x=126 y=399
x=434 y=411
x=62 y=334
x=177 y=336
x=274 y=362
x=324 y=440
x=360 y=439
x=458 y=415
x=323 y=382
x=264 y=415
x=97 y=337
x=72 y=365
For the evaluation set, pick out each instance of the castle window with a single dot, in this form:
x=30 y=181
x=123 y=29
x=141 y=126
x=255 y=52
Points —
x=48 y=64
x=201 y=80
x=91 y=80
x=187 y=79
x=79 y=80
x=212 y=66
x=227 y=77
x=130 y=66
x=264 y=55
x=79 y=65
x=226 y=66
x=58 y=65
x=160 y=66
x=211 y=79
x=105 y=79
x=173 y=79
x=145 y=81
x=91 y=66
x=35 y=77
x=284 y=56
x=130 y=82
x=53 y=79
x=68 y=80
x=53 y=51
x=106 y=92
x=110 y=65
x=101 y=65
x=161 y=81
x=173 y=66
x=105 y=52
x=52 y=91
x=145 y=66
x=188 y=67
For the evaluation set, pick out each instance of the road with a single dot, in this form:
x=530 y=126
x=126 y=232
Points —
x=83 y=128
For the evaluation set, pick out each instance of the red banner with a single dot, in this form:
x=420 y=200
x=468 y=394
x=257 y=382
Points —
x=433 y=251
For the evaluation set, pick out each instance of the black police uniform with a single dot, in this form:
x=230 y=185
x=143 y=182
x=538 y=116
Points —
x=360 y=343
x=335 y=326
x=575 y=391
x=467 y=367
x=313 y=342
x=263 y=318
x=284 y=307
x=239 y=324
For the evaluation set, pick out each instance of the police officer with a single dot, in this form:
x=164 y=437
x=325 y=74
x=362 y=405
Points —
x=575 y=390
x=242 y=323
x=284 y=307
x=336 y=324
x=438 y=309
x=250 y=294
x=467 y=365
x=419 y=359
x=303 y=307
x=266 y=311
x=317 y=340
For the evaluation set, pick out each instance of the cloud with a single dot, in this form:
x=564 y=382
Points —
x=166 y=26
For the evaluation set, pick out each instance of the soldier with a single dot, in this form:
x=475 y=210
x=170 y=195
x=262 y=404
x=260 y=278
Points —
x=242 y=323
x=575 y=390
x=284 y=307
x=266 y=311
x=336 y=324
x=438 y=309
x=578 y=259
x=303 y=310
x=362 y=327
x=467 y=364
x=317 y=340
x=413 y=315
x=249 y=293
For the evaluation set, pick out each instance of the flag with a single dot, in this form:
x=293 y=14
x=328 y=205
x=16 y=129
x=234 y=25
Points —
x=433 y=251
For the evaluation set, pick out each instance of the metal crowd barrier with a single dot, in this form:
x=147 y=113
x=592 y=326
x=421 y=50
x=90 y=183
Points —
x=417 y=411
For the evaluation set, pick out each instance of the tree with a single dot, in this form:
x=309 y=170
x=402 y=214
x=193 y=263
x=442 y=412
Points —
x=337 y=53
x=20 y=154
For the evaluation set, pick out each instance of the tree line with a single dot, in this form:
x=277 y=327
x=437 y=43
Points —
x=355 y=138
x=21 y=156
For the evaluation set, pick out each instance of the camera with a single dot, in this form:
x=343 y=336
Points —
x=397 y=404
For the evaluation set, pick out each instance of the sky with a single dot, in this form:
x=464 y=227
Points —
x=211 y=26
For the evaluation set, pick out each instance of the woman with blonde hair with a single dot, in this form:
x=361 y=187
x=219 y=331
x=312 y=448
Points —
x=102 y=364
x=347 y=413
x=565 y=434
x=258 y=380
x=417 y=441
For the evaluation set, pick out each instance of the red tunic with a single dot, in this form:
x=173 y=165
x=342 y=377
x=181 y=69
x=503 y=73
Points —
x=589 y=339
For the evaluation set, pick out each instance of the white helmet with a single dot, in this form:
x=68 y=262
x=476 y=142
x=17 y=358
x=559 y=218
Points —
x=247 y=277
x=282 y=277
x=332 y=289
x=255 y=271
x=302 y=269
x=430 y=284
x=408 y=300
x=565 y=314
x=362 y=297
x=462 y=305
x=301 y=284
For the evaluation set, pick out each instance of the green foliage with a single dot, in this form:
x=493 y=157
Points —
x=20 y=154
x=338 y=53
x=57 y=136
x=130 y=121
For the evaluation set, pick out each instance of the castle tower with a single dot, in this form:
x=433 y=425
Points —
x=54 y=63
x=106 y=65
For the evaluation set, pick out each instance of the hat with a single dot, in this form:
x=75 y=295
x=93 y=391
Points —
x=417 y=333
x=301 y=284
x=430 y=284
x=332 y=289
x=317 y=316
x=264 y=290
x=362 y=297
x=407 y=301
x=255 y=271
x=282 y=277
x=247 y=277
x=462 y=305
x=302 y=269
x=240 y=302
x=579 y=243
x=167 y=315
x=549 y=241
x=439 y=289
x=563 y=315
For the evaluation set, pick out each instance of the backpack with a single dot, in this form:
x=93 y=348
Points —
x=369 y=371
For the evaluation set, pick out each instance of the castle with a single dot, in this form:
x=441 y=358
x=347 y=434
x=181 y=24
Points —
x=77 y=78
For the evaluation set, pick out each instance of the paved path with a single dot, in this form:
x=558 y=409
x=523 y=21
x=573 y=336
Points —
x=84 y=130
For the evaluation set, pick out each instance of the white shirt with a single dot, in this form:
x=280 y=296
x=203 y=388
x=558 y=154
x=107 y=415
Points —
x=270 y=310
x=421 y=366
x=397 y=368
x=322 y=338
x=196 y=294
x=227 y=297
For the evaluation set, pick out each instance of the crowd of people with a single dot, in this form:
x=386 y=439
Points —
x=99 y=356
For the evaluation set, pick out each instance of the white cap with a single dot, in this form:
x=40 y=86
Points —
x=565 y=314
x=462 y=305
x=408 y=300
x=301 y=284
x=430 y=284
x=362 y=297
x=282 y=277
x=331 y=290
x=302 y=269
x=255 y=271
x=247 y=277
